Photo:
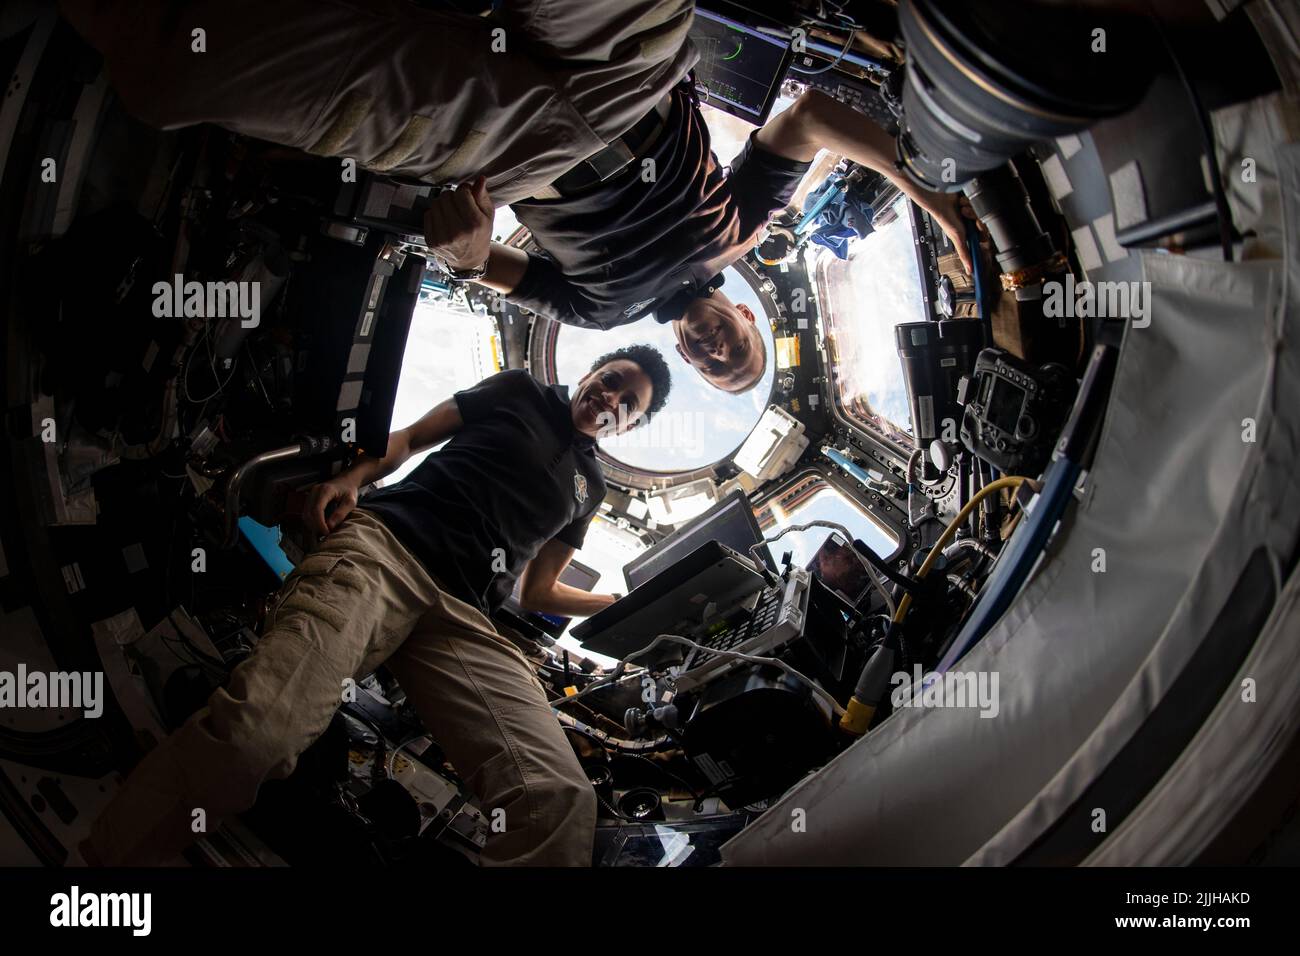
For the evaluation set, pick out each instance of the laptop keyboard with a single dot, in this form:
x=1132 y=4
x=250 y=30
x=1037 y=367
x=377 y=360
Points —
x=731 y=636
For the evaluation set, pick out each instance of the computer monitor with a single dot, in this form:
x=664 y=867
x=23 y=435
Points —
x=730 y=522
x=576 y=575
x=740 y=68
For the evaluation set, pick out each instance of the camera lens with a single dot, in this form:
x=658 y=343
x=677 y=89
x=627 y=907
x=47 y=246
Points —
x=977 y=93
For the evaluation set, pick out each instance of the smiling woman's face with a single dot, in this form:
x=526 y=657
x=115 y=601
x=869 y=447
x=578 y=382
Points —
x=611 y=399
x=721 y=341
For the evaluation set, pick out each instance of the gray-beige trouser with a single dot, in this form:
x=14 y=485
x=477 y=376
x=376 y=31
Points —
x=521 y=96
x=359 y=600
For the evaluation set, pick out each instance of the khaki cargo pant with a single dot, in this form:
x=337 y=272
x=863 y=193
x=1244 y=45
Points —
x=521 y=96
x=359 y=600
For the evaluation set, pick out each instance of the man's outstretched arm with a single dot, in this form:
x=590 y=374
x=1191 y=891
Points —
x=458 y=230
x=816 y=121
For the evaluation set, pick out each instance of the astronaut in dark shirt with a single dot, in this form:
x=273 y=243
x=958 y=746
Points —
x=407 y=577
x=424 y=93
x=634 y=246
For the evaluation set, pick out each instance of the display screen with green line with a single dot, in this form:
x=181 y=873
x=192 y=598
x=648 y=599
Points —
x=740 y=68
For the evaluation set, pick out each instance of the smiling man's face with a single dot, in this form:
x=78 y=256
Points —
x=721 y=341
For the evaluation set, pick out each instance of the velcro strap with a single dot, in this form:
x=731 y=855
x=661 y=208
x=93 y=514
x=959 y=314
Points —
x=416 y=129
x=351 y=113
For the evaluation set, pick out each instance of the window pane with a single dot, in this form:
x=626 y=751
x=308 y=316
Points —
x=448 y=349
x=814 y=499
x=700 y=424
x=863 y=298
x=606 y=549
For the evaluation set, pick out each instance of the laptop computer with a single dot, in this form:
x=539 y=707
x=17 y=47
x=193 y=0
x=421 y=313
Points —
x=731 y=522
x=674 y=601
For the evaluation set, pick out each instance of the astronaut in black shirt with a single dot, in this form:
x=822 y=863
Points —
x=357 y=79
x=408 y=578
x=512 y=492
x=633 y=245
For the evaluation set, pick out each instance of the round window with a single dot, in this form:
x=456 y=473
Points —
x=700 y=425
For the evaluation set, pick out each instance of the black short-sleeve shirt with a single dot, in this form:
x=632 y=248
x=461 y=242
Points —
x=516 y=475
x=653 y=231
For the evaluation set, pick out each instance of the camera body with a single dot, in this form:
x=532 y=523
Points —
x=1014 y=412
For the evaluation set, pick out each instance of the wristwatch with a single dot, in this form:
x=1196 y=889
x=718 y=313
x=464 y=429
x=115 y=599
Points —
x=462 y=275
